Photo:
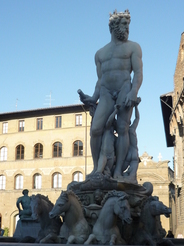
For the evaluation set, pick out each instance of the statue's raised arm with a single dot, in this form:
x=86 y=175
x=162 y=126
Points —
x=89 y=100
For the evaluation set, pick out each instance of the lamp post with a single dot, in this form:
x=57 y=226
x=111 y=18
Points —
x=85 y=141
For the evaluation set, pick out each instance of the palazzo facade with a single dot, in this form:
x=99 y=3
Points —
x=173 y=115
x=43 y=150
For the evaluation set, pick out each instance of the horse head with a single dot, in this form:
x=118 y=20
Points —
x=122 y=209
x=35 y=207
x=158 y=208
x=62 y=205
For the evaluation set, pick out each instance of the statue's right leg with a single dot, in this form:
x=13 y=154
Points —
x=103 y=111
x=102 y=161
x=90 y=239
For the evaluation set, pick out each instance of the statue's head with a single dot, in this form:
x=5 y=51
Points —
x=98 y=196
x=119 y=24
x=25 y=192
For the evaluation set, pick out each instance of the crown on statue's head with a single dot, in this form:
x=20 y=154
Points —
x=116 y=15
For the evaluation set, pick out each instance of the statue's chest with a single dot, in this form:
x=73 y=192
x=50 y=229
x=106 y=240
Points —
x=119 y=52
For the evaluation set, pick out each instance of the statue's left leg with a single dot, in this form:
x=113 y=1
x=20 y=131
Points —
x=123 y=122
x=101 y=163
x=90 y=239
x=50 y=238
x=113 y=239
x=122 y=146
x=71 y=239
x=133 y=168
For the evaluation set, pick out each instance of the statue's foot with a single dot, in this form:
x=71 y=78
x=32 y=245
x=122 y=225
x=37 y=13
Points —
x=91 y=174
x=117 y=174
x=124 y=178
x=127 y=179
x=98 y=171
x=125 y=174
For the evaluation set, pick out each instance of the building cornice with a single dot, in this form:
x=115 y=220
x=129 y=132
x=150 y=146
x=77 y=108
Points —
x=43 y=111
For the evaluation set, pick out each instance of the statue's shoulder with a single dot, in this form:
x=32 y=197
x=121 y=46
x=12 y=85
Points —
x=135 y=48
x=19 y=199
x=134 y=45
x=101 y=51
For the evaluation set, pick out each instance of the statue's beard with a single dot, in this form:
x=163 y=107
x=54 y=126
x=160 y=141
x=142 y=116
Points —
x=121 y=34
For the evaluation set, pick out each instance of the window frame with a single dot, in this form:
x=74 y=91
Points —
x=5 y=127
x=37 y=183
x=20 y=179
x=39 y=155
x=78 y=120
x=21 y=150
x=78 y=148
x=58 y=121
x=56 y=183
x=39 y=124
x=182 y=52
x=57 y=149
x=2 y=182
x=3 y=153
x=77 y=173
x=21 y=128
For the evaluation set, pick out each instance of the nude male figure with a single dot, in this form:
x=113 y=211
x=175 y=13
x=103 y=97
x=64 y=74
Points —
x=25 y=201
x=114 y=64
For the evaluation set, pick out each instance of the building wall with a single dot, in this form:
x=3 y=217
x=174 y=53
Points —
x=46 y=166
x=176 y=122
x=179 y=71
x=161 y=176
x=157 y=173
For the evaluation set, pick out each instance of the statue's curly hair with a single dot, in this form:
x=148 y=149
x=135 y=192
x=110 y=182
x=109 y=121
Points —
x=115 y=18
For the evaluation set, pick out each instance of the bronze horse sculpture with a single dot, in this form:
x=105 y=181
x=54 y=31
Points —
x=74 y=220
x=41 y=206
x=148 y=229
x=105 y=230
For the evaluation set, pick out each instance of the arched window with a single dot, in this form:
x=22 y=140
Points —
x=2 y=182
x=18 y=182
x=37 y=181
x=77 y=148
x=15 y=221
x=56 y=180
x=4 y=153
x=57 y=149
x=20 y=152
x=78 y=176
x=38 y=150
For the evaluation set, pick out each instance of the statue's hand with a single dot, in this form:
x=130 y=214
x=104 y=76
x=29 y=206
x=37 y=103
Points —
x=89 y=100
x=117 y=106
x=138 y=101
x=85 y=98
x=131 y=99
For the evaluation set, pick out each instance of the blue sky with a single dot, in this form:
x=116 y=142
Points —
x=49 y=46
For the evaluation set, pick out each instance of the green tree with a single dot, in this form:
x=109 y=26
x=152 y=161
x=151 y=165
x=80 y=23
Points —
x=6 y=231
